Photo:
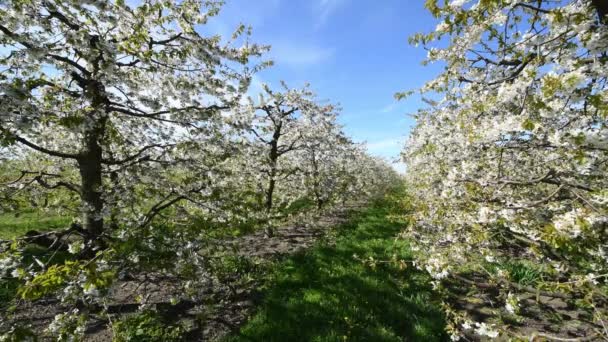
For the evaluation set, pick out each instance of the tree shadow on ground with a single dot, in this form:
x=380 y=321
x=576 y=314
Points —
x=328 y=294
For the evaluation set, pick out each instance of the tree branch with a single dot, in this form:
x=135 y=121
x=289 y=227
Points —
x=40 y=180
x=134 y=156
x=534 y=8
x=66 y=60
x=39 y=148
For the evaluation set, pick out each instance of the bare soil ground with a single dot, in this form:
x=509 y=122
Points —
x=224 y=305
x=542 y=318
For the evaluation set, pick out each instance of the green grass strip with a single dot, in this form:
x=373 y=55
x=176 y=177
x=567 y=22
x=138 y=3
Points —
x=12 y=226
x=326 y=294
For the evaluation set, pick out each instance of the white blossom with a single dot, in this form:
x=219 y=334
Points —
x=76 y=247
x=484 y=329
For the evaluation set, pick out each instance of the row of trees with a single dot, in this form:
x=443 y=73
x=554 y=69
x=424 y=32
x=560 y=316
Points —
x=507 y=169
x=135 y=123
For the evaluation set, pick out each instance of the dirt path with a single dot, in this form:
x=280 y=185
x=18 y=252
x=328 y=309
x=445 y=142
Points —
x=225 y=304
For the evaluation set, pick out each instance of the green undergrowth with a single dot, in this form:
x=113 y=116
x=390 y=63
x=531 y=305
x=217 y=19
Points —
x=146 y=326
x=357 y=289
x=9 y=286
x=281 y=215
x=14 y=225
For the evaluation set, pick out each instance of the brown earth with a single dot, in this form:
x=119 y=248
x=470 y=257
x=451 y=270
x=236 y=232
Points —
x=224 y=303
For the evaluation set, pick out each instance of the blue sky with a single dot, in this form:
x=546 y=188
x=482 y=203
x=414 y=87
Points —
x=352 y=52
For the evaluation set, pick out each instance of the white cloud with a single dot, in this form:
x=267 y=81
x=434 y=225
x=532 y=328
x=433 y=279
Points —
x=394 y=106
x=390 y=150
x=389 y=108
x=324 y=9
x=385 y=145
x=299 y=55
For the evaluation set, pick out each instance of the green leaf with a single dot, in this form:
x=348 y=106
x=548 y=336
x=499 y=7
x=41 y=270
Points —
x=528 y=125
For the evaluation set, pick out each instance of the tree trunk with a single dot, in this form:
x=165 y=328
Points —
x=273 y=157
x=90 y=168
x=315 y=182
x=90 y=161
x=113 y=209
x=271 y=183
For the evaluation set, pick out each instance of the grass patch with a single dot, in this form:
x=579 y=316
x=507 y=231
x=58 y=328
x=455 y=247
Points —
x=12 y=225
x=326 y=294
x=146 y=326
x=524 y=272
